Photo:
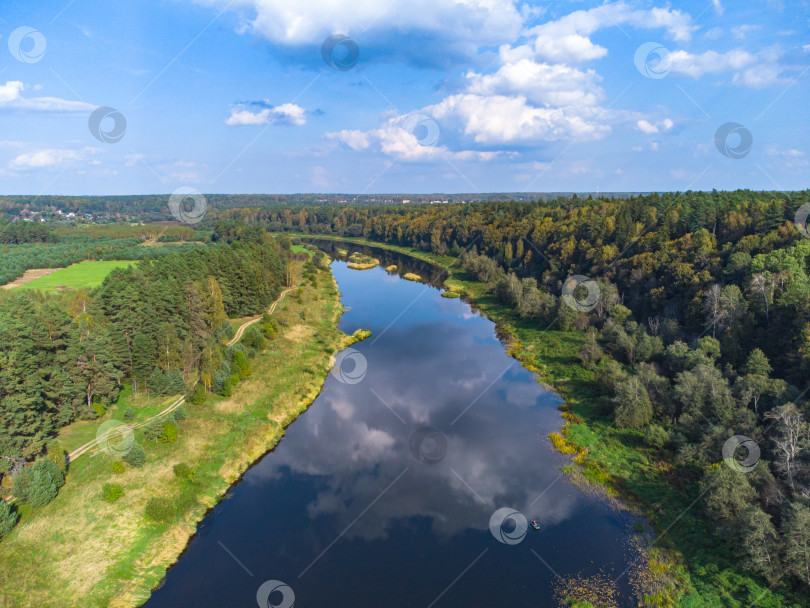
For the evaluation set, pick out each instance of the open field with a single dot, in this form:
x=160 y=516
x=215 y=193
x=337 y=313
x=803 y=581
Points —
x=91 y=553
x=31 y=274
x=84 y=275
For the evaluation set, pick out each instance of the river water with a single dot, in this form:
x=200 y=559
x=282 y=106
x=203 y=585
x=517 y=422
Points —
x=382 y=494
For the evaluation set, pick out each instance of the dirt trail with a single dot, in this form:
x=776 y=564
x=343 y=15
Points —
x=30 y=275
x=175 y=404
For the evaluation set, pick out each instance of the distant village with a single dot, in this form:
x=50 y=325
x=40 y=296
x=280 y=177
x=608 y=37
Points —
x=27 y=215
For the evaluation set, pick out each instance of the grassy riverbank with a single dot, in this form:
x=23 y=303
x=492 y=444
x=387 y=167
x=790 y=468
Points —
x=693 y=572
x=81 y=551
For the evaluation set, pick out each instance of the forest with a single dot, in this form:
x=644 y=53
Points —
x=159 y=326
x=695 y=308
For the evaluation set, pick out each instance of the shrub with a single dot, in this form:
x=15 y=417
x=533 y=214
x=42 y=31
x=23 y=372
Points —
x=185 y=472
x=99 y=409
x=117 y=467
x=160 y=509
x=129 y=414
x=22 y=485
x=136 y=456
x=179 y=414
x=58 y=456
x=268 y=331
x=656 y=436
x=8 y=518
x=111 y=492
x=253 y=339
x=620 y=313
x=46 y=479
x=153 y=430
x=198 y=396
x=242 y=364
x=170 y=433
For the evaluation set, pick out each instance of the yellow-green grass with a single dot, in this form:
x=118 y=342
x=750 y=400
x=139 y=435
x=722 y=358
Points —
x=359 y=261
x=616 y=460
x=142 y=405
x=391 y=268
x=411 y=276
x=84 y=275
x=79 y=551
x=301 y=249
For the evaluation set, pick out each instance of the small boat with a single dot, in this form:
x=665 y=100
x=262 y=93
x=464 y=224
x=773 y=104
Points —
x=535 y=525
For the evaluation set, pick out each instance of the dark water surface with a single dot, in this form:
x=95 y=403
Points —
x=351 y=510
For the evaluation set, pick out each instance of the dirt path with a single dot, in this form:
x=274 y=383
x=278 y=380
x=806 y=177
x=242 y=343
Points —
x=238 y=335
x=175 y=404
x=30 y=275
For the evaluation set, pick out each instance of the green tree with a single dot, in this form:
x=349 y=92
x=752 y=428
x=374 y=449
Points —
x=728 y=494
x=8 y=518
x=633 y=407
x=703 y=392
x=46 y=479
x=760 y=543
x=153 y=430
x=791 y=437
x=136 y=456
x=796 y=537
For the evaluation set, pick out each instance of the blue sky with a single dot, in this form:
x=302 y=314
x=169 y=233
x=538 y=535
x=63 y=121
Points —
x=444 y=96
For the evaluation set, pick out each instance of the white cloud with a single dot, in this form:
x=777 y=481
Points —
x=587 y=22
x=741 y=31
x=478 y=21
x=500 y=119
x=395 y=141
x=787 y=158
x=287 y=113
x=567 y=48
x=650 y=128
x=718 y=7
x=534 y=95
x=50 y=158
x=695 y=66
x=11 y=97
x=759 y=76
x=133 y=159
x=541 y=83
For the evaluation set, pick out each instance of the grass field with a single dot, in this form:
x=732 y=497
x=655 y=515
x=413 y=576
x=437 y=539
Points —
x=79 y=551
x=84 y=275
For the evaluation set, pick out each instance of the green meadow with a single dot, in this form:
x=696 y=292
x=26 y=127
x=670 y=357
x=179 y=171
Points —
x=84 y=275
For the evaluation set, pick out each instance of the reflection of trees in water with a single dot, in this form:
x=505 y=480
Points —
x=431 y=274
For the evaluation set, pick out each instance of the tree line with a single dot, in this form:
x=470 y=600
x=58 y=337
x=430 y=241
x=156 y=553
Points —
x=162 y=321
x=699 y=330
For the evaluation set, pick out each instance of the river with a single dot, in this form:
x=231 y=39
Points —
x=398 y=486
